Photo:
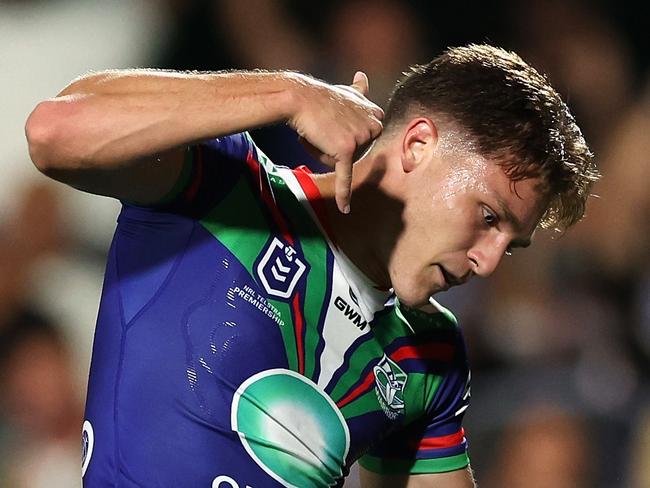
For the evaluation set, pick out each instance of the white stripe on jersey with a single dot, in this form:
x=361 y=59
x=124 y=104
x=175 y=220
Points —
x=348 y=317
x=339 y=329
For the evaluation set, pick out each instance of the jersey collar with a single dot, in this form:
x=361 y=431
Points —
x=371 y=298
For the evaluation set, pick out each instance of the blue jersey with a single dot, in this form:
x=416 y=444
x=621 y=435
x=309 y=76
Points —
x=236 y=346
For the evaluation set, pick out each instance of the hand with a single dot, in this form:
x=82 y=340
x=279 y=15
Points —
x=336 y=124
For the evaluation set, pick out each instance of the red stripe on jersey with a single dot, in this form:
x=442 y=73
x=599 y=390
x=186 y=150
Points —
x=193 y=189
x=357 y=391
x=298 y=330
x=269 y=201
x=267 y=198
x=438 y=351
x=314 y=198
x=450 y=440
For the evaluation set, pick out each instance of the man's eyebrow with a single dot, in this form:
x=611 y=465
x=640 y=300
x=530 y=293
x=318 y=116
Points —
x=516 y=223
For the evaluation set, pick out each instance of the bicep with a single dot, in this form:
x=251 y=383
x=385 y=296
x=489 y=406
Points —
x=461 y=478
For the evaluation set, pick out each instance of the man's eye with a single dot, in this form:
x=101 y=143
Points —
x=489 y=217
x=508 y=251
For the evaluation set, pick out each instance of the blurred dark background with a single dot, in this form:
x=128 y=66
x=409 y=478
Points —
x=559 y=337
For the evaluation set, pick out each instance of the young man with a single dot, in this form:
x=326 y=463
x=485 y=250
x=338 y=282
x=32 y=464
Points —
x=243 y=337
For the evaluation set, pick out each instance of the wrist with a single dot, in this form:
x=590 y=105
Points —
x=297 y=86
x=263 y=98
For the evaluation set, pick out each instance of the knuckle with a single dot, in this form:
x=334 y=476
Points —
x=348 y=146
x=360 y=136
x=376 y=127
x=366 y=135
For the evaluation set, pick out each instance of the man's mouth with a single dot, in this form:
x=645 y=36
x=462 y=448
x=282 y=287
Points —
x=450 y=279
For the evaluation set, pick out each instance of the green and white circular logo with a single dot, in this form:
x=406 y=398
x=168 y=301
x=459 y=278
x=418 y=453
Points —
x=291 y=428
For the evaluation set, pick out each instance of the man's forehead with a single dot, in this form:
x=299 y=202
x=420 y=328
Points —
x=465 y=172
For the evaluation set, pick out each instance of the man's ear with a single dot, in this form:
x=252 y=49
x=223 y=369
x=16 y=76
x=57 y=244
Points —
x=419 y=142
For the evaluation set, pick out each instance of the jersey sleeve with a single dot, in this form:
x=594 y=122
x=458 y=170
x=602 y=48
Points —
x=436 y=442
x=211 y=169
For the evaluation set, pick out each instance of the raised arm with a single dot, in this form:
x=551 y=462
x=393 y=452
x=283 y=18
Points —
x=123 y=133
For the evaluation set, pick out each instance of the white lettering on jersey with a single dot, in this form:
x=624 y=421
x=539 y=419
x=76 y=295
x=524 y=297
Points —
x=224 y=481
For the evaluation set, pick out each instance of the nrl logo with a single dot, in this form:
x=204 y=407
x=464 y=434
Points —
x=279 y=269
x=390 y=381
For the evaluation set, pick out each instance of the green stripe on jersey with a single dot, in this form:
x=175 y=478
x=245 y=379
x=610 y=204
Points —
x=183 y=179
x=237 y=212
x=419 y=393
x=365 y=404
x=417 y=466
x=240 y=210
x=314 y=250
x=366 y=353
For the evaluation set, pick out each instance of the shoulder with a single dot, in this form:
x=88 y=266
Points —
x=235 y=145
x=435 y=334
x=212 y=169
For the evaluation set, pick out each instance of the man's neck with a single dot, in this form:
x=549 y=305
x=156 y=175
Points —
x=363 y=235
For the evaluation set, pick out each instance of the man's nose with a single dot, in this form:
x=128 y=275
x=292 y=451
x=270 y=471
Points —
x=486 y=256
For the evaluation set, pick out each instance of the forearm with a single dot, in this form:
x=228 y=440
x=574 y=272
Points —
x=109 y=119
x=121 y=133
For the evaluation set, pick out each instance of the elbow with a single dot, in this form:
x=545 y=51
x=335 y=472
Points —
x=56 y=128
x=52 y=133
x=41 y=134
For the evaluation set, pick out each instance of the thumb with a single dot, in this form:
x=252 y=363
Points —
x=360 y=83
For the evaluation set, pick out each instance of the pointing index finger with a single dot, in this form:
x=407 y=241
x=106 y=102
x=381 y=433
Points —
x=343 y=184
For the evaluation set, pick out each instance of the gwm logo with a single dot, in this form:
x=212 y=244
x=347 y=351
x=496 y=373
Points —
x=351 y=313
x=279 y=269
x=390 y=381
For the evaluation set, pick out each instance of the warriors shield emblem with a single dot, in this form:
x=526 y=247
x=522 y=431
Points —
x=390 y=381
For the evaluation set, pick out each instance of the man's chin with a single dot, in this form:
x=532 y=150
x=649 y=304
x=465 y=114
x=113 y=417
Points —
x=413 y=300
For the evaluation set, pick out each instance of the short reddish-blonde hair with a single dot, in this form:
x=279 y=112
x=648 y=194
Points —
x=513 y=116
